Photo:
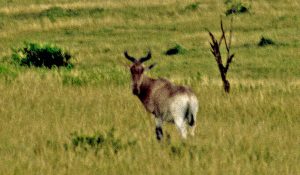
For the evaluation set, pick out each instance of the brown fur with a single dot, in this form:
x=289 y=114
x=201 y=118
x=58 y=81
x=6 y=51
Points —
x=158 y=95
x=155 y=94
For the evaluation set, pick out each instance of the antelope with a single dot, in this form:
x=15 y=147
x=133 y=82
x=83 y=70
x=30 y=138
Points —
x=166 y=101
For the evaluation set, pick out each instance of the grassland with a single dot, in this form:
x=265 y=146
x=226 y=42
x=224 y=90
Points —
x=47 y=116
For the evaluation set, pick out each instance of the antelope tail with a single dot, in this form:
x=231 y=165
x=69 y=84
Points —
x=189 y=115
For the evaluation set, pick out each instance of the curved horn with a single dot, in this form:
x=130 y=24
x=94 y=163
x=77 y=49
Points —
x=143 y=59
x=129 y=57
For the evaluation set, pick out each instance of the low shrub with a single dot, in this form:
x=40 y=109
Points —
x=177 y=49
x=235 y=8
x=41 y=55
x=265 y=41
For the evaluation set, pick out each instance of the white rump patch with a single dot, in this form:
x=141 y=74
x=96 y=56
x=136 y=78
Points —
x=178 y=108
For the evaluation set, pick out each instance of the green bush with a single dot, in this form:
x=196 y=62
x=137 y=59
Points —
x=235 y=7
x=41 y=55
x=265 y=41
x=177 y=49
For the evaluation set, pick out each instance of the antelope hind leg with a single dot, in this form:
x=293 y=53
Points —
x=158 y=129
x=180 y=123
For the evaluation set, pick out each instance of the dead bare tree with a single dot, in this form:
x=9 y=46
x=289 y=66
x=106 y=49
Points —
x=215 y=49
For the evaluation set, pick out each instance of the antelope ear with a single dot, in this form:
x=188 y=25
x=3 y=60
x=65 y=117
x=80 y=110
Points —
x=151 y=66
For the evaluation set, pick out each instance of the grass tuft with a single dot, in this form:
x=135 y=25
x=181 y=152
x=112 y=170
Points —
x=97 y=142
x=192 y=6
x=53 y=13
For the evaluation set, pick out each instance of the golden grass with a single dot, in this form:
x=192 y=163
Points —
x=37 y=119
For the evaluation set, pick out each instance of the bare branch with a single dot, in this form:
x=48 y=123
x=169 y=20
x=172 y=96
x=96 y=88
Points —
x=223 y=34
x=229 y=60
x=215 y=48
x=229 y=56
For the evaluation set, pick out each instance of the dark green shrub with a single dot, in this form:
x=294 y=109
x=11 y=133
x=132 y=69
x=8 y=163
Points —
x=235 y=8
x=265 y=41
x=41 y=55
x=177 y=49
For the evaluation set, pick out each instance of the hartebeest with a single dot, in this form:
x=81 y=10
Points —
x=166 y=101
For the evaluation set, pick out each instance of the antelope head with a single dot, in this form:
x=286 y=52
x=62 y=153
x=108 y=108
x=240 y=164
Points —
x=137 y=70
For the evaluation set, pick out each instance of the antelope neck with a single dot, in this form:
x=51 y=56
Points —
x=145 y=88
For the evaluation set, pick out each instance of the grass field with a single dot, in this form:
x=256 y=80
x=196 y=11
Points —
x=86 y=120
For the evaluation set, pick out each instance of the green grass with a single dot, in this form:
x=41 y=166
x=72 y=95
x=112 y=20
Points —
x=86 y=120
